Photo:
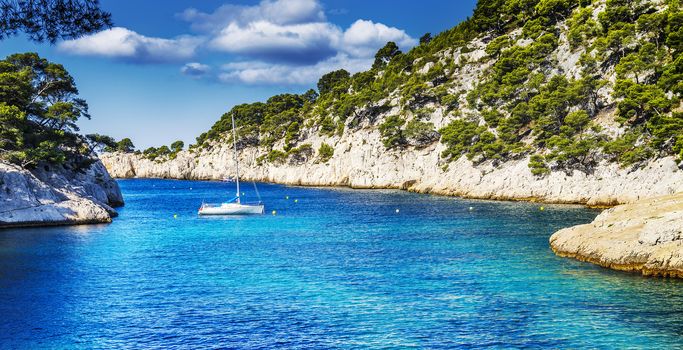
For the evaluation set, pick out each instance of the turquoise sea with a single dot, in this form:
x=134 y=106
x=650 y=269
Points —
x=334 y=268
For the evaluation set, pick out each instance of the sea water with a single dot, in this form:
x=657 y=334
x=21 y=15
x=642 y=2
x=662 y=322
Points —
x=333 y=268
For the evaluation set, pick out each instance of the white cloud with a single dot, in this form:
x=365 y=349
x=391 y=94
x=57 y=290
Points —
x=364 y=38
x=273 y=42
x=195 y=69
x=293 y=31
x=126 y=44
x=259 y=73
x=353 y=50
x=282 y=12
x=290 y=31
x=298 y=43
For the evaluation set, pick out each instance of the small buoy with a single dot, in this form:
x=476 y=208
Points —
x=296 y=201
x=243 y=193
x=190 y=188
x=397 y=211
x=175 y=216
x=471 y=208
x=542 y=208
x=286 y=197
x=274 y=212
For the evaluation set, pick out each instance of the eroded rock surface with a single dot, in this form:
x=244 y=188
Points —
x=360 y=161
x=56 y=195
x=646 y=237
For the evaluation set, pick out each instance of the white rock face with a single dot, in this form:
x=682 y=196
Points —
x=645 y=237
x=55 y=195
x=361 y=161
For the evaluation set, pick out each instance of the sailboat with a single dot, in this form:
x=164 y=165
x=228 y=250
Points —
x=235 y=205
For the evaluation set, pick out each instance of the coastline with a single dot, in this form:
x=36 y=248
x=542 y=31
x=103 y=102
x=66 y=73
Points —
x=57 y=196
x=616 y=188
x=419 y=172
x=644 y=237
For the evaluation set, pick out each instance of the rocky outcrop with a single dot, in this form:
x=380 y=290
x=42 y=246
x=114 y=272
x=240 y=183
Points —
x=645 y=237
x=361 y=161
x=57 y=195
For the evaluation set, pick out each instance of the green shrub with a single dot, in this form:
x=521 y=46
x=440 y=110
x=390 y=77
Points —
x=459 y=136
x=300 y=154
x=276 y=156
x=391 y=133
x=491 y=117
x=338 y=79
x=535 y=28
x=292 y=135
x=538 y=166
x=325 y=152
x=640 y=102
x=628 y=149
x=667 y=132
x=450 y=101
x=327 y=126
x=497 y=45
x=582 y=27
x=420 y=133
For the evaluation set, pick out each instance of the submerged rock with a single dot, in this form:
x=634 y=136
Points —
x=56 y=195
x=645 y=237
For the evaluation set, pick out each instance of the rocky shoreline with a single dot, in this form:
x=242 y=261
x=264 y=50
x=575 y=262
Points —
x=644 y=237
x=362 y=162
x=52 y=195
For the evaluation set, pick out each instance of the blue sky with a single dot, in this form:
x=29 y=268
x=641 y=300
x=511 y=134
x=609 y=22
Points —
x=168 y=69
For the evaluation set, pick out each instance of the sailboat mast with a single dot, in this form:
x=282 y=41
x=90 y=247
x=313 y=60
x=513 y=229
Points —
x=237 y=167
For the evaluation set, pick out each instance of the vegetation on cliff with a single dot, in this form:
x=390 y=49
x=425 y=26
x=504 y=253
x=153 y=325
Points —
x=570 y=83
x=163 y=152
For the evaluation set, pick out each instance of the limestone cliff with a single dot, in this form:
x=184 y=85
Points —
x=554 y=101
x=645 y=237
x=525 y=101
x=360 y=161
x=56 y=195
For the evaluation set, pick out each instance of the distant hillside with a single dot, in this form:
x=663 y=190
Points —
x=554 y=100
x=570 y=82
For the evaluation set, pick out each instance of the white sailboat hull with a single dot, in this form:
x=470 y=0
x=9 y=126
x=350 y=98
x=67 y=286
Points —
x=234 y=206
x=231 y=209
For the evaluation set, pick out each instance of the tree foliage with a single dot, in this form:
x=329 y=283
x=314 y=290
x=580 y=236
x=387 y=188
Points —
x=177 y=146
x=425 y=39
x=385 y=55
x=100 y=143
x=40 y=110
x=391 y=131
x=51 y=20
x=332 y=80
x=126 y=145
x=325 y=152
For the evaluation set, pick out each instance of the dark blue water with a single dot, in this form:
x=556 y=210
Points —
x=337 y=269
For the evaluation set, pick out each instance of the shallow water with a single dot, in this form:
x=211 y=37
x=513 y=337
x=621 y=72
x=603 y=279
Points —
x=338 y=268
